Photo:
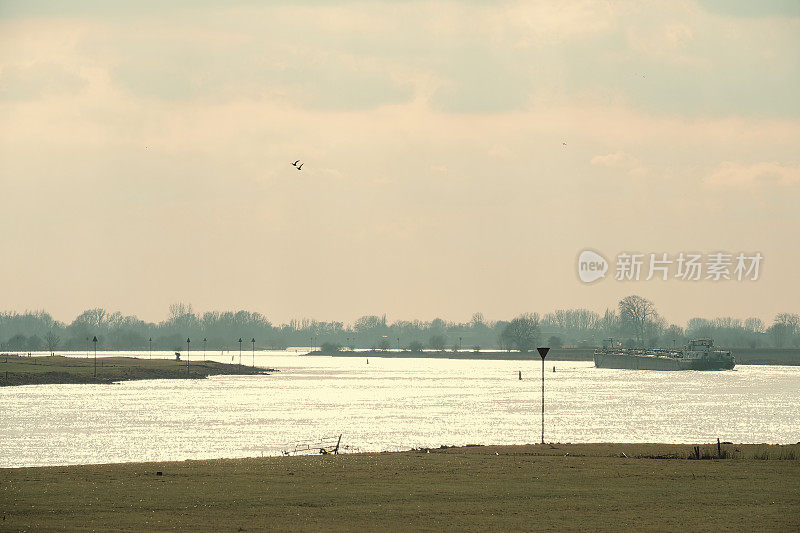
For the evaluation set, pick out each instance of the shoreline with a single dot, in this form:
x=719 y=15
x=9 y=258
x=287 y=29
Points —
x=577 y=354
x=743 y=356
x=16 y=370
x=721 y=451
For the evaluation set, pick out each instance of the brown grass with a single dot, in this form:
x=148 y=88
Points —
x=634 y=487
x=21 y=370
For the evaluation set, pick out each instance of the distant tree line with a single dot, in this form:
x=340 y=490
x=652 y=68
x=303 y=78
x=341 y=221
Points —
x=635 y=321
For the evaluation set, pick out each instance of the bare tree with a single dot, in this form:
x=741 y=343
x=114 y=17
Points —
x=94 y=318
x=477 y=320
x=790 y=321
x=754 y=325
x=784 y=327
x=609 y=324
x=179 y=310
x=51 y=340
x=637 y=313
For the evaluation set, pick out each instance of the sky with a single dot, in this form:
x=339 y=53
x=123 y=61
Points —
x=457 y=156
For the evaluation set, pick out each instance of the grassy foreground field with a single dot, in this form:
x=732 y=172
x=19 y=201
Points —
x=534 y=487
x=21 y=370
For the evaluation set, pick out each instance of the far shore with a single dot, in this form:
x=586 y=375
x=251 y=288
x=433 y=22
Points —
x=535 y=487
x=41 y=370
x=555 y=354
x=743 y=356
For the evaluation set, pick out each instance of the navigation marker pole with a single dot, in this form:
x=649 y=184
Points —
x=240 y=351
x=254 y=351
x=95 y=356
x=543 y=353
x=187 y=356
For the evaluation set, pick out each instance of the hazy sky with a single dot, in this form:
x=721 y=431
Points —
x=458 y=155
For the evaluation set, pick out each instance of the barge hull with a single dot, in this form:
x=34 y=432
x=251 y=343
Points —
x=643 y=362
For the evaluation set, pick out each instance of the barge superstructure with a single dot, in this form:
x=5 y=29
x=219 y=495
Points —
x=699 y=354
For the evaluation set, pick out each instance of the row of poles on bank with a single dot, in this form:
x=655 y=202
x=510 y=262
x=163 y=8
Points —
x=188 y=341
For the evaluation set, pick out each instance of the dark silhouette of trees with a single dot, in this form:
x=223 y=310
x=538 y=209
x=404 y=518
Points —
x=636 y=319
x=674 y=335
x=17 y=343
x=34 y=343
x=522 y=333
x=415 y=346
x=437 y=342
x=330 y=347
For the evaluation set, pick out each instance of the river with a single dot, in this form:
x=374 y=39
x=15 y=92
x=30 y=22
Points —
x=391 y=404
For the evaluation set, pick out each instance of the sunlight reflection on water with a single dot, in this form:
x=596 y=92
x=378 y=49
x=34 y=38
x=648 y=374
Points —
x=391 y=404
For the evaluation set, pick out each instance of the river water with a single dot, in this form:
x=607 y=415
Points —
x=391 y=404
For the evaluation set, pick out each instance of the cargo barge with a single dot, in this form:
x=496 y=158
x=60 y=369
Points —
x=699 y=354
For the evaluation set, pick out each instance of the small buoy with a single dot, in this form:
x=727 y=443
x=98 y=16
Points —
x=159 y=473
x=554 y=369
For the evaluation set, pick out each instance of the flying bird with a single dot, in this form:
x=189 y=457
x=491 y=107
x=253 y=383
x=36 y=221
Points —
x=295 y=163
x=301 y=166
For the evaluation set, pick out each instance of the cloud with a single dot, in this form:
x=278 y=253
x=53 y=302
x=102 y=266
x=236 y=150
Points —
x=732 y=175
x=748 y=8
x=671 y=57
x=30 y=82
x=533 y=23
x=619 y=160
x=670 y=43
x=500 y=151
x=188 y=124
